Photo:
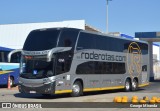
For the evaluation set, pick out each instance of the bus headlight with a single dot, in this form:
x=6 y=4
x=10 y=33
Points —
x=46 y=81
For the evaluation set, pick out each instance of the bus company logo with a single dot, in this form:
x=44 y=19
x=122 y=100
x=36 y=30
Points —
x=101 y=56
x=6 y=105
x=134 y=59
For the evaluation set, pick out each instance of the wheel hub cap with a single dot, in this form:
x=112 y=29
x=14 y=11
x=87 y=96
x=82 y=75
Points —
x=76 y=88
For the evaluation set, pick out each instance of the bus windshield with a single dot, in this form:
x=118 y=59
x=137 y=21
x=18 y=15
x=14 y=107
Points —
x=39 y=40
x=36 y=67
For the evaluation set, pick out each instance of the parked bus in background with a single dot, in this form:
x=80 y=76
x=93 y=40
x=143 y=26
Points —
x=11 y=68
x=68 y=60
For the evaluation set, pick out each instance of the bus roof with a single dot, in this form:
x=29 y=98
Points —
x=5 y=49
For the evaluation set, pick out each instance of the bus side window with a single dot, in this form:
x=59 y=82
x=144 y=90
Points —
x=86 y=41
x=3 y=56
x=144 y=68
x=63 y=63
x=68 y=39
x=15 y=58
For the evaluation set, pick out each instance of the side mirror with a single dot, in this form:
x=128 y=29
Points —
x=56 y=50
x=12 y=52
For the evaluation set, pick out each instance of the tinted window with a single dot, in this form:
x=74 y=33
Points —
x=93 y=41
x=101 y=43
x=68 y=38
x=86 y=41
x=36 y=67
x=3 y=56
x=144 y=68
x=63 y=60
x=144 y=48
x=15 y=58
x=97 y=67
x=41 y=40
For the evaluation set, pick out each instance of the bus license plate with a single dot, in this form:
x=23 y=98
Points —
x=32 y=92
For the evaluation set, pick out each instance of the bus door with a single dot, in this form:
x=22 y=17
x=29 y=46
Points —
x=62 y=68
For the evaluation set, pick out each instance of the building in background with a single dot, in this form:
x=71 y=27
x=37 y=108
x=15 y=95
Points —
x=13 y=35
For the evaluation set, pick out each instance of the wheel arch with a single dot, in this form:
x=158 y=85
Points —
x=129 y=78
x=136 y=78
x=80 y=80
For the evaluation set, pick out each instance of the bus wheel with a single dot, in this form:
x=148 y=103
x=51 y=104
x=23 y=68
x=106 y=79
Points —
x=76 y=89
x=11 y=81
x=128 y=85
x=134 y=85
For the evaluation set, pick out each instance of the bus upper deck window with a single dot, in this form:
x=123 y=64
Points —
x=68 y=38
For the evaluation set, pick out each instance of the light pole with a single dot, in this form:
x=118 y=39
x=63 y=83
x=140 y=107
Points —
x=107 y=16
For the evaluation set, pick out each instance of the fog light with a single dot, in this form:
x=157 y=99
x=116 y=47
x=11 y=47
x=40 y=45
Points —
x=47 y=90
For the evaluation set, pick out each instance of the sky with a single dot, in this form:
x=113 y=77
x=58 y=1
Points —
x=125 y=16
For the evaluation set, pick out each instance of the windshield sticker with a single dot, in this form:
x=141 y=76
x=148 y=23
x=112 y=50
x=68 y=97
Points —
x=35 y=72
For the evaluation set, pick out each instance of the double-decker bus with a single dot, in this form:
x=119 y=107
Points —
x=9 y=69
x=68 y=60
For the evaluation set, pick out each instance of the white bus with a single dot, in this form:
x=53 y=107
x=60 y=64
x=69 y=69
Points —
x=68 y=60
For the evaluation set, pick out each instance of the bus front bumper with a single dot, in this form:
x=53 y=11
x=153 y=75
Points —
x=44 y=89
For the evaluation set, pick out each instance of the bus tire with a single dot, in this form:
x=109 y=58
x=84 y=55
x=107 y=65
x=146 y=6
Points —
x=134 y=85
x=77 y=89
x=127 y=85
x=11 y=81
